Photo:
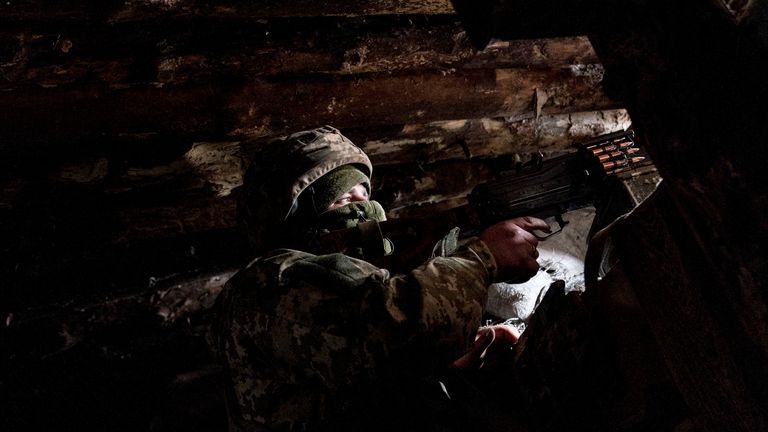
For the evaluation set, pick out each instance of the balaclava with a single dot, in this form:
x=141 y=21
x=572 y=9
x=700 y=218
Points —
x=315 y=200
x=292 y=181
x=312 y=218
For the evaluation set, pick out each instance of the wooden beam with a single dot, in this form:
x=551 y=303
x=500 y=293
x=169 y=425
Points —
x=148 y=9
x=125 y=55
x=268 y=107
x=486 y=137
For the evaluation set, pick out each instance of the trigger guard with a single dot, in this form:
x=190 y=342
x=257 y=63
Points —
x=542 y=235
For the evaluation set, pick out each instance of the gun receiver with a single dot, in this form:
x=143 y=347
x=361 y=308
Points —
x=549 y=188
x=541 y=188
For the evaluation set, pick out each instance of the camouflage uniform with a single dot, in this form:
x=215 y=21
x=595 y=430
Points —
x=307 y=340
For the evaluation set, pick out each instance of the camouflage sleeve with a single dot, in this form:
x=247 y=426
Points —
x=296 y=328
x=434 y=310
x=443 y=298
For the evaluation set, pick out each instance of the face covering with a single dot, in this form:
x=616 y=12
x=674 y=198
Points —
x=350 y=215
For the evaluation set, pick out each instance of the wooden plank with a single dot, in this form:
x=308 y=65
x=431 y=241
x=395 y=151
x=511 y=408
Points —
x=486 y=137
x=183 y=51
x=417 y=98
x=174 y=55
x=138 y=10
x=267 y=107
x=174 y=220
x=536 y=53
x=149 y=9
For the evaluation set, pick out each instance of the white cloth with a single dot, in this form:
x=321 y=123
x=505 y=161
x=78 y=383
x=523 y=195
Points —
x=561 y=257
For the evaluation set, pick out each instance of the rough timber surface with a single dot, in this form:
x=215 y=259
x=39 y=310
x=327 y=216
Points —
x=147 y=9
x=125 y=128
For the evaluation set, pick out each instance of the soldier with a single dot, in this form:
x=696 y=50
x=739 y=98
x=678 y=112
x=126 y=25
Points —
x=332 y=342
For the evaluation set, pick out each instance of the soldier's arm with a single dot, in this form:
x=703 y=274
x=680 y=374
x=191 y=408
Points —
x=434 y=310
x=335 y=315
x=303 y=309
x=438 y=306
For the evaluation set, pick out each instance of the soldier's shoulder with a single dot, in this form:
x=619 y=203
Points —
x=269 y=266
x=284 y=266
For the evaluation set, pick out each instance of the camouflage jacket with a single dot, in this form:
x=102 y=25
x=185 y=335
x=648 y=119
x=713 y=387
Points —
x=303 y=337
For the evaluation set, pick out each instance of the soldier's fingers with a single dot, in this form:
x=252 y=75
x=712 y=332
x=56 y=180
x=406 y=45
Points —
x=528 y=237
x=530 y=223
x=472 y=358
x=505 y=334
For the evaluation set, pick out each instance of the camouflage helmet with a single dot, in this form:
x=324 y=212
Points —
x=282 y=171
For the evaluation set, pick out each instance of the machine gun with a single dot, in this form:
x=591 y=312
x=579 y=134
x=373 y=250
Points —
x=547 y=189
x=543 y=188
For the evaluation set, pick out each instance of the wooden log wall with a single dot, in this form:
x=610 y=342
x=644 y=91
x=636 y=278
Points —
x=125 y=128
x=144 y=125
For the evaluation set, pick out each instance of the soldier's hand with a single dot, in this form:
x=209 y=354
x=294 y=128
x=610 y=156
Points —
x=491 y=343
x=513 y=245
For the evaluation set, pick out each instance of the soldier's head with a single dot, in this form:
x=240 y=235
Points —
x=305 y=183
